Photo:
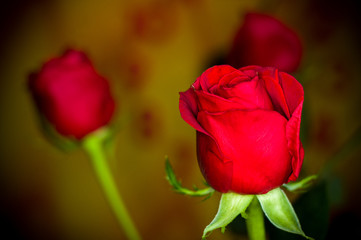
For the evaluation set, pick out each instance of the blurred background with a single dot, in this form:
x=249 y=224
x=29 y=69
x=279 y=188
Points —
x=150 y=50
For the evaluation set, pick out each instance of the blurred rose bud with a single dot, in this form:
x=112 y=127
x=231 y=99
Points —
x=265 y=41
x=71 y=95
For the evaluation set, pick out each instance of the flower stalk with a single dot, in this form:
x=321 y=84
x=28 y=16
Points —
x=255 y=221
x=93 y=145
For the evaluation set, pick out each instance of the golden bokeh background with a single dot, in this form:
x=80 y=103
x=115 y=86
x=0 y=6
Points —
x=150 y=50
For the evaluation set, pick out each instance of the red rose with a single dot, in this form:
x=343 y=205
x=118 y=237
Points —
x=248 y=124
x=72 y=95
x=265 y=41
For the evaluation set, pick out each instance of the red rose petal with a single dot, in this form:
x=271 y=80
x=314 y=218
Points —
x=213 y=103
x=292 y=89
x=188 y=109
x=212 y=76
x=215 y=170
x=255 y=142
x=274 y=89
x=294 y=143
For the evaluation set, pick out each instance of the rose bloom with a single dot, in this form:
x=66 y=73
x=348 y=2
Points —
x=265 y=41
x=248 y=125
x=71 y=95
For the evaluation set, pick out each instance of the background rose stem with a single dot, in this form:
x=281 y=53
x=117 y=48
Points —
x=93 y=145
x=255 y=222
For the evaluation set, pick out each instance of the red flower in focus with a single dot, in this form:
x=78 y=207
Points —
x=248 y=124
x=72 y=96
x=265 y=41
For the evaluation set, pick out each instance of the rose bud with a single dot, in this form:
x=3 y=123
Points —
x=71 y=95
x=265 y=41
x=248 y=125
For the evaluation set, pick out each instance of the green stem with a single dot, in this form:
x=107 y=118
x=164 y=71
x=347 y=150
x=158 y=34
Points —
x=93 y=145
x=255 y=222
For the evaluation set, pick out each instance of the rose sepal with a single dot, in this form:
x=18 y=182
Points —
x=274 y=204
x=177 y=186
x=280 y=212
x=66 y=144
x=301 y=186
x=230 y=206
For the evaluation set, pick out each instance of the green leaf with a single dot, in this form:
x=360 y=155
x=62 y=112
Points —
x=301 y=186
x=279 y=211
x=177 y=186
x=230 y=206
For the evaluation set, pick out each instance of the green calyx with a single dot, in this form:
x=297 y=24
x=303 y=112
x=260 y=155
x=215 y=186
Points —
x=280 y=212
x=177 y=186
x=230 y=206
x=274 y=204
x=301 y=186
x=66 y=144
